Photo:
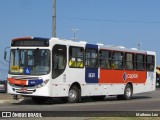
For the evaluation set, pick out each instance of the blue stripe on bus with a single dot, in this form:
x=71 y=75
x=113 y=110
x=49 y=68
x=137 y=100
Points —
x=39 y=38
x=91 y=75
x=91 y=46
x=35 y=82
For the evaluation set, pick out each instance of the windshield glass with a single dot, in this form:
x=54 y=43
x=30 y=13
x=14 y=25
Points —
x=29 y=61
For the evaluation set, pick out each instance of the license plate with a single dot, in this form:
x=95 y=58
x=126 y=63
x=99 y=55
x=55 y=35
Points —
x=23 y=90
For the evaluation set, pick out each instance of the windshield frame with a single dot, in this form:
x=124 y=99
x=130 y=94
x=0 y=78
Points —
x=19 y=62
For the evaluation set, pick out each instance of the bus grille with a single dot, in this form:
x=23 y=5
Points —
x=24 y=90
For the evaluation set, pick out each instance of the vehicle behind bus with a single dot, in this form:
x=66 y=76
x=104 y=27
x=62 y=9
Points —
x=3 y=86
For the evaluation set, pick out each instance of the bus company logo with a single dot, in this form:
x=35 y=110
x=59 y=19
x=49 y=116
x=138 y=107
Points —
x=129 y=76
x=91 y=75
x=124 y=76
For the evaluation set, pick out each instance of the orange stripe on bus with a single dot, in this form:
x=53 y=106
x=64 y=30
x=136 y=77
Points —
x=122 y=76
x=17 y=82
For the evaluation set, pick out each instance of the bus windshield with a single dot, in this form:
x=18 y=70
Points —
x=29 y=61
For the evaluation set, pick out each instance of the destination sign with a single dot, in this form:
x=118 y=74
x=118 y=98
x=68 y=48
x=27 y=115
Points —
x=30 y=43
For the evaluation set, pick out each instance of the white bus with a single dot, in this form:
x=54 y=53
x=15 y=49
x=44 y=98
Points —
x=43 y=68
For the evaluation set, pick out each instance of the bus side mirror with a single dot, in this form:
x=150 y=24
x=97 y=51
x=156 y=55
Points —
x=5 y=54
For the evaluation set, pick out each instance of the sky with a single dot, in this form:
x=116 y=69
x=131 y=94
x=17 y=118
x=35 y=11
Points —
x=111 y=22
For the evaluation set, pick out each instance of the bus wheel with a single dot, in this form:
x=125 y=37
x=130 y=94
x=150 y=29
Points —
x=74 y=95
x=40 y=100
x=127 y=93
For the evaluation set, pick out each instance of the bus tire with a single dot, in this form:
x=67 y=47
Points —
x=127 y=93
x=40 y=100
x=74 y=94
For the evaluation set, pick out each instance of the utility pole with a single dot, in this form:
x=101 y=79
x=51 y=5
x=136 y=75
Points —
x=74 y=33
x=54 y=19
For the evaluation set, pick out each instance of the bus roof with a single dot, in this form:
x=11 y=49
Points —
x=29 y=38
x=100 y=46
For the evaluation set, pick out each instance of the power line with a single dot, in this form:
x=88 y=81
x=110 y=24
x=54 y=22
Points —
x=110 y=20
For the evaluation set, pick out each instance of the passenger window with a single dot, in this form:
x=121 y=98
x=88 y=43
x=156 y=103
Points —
x=140 y=62
x=117 y=60
x=129 y=61
x=150 y=60
x=76 y=57
x=91 y=60
x=105 y=59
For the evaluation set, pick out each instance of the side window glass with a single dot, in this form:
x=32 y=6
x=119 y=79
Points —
x=140 y=62
x=91 y=60
x=150 y=60
x=105 y=59
x=129 y=61
x=76 y=57
x=117 y=60
x=58 y=60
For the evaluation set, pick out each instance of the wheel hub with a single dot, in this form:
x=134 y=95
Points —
x=128 y=92
x=72 y=95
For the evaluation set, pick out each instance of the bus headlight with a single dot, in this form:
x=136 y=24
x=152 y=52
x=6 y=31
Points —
x=43 y=84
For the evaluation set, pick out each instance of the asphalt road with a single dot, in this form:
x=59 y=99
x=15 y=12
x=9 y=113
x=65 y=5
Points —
x=149 y=101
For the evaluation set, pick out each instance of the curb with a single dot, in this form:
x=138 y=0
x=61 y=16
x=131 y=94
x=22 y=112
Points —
x=10 y=101
x=5 y=101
